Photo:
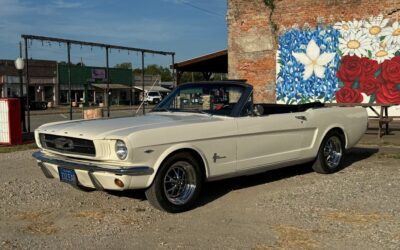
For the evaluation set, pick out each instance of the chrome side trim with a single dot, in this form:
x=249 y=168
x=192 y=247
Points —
x=260 y=169
x=71 y=164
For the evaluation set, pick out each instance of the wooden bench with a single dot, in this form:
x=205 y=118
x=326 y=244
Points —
x=383 y=121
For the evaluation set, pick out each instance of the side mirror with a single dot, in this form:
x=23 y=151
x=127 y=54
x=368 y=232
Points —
x=258 y=110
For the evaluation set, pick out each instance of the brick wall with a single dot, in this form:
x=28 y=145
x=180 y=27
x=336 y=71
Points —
x=252 y=40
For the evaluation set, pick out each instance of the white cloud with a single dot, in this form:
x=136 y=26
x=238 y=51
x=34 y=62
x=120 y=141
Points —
x=67 y=5
x=10 y=8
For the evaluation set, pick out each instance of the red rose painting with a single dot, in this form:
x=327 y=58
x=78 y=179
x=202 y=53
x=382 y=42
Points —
x=389 y=93
x=391 y=70
x=350 y=69
x=370 y=85
x=381 y=82
x=349 y=95
x=369 y=67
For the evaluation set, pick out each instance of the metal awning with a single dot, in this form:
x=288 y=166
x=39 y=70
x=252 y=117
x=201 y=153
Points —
x=216 y=62
x=110 y=86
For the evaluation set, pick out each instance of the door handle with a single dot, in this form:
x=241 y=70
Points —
x=301 y=117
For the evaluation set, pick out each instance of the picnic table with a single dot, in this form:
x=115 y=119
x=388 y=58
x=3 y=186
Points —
x=382 y=116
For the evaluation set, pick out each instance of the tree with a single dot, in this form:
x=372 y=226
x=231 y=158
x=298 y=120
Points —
x=154 y=69
x=198 y=76
x=125 y=65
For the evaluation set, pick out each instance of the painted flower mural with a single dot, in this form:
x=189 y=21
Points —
x=313 y=61
x=368 y=55
x=307 y=62
x=351 y=62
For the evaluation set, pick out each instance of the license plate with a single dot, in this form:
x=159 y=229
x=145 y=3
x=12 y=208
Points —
x=68 y=176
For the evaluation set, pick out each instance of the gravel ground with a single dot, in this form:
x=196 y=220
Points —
x=292 y=208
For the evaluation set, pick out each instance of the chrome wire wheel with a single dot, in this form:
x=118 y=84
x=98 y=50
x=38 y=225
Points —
x=180 y=182
x=333 y=152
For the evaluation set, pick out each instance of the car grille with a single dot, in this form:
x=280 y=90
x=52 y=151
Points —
x=64 y=144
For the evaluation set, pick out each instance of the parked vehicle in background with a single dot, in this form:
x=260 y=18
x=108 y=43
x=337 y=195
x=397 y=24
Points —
x=35 y=105
x=200 y=132
x=153 y=97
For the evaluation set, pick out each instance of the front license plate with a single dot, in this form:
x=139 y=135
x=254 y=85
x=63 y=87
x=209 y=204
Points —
x=68 y=176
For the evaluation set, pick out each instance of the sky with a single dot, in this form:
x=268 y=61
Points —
x=188 y=27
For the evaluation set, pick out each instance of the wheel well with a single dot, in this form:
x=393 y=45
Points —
x=194 y=154
x=340 y=132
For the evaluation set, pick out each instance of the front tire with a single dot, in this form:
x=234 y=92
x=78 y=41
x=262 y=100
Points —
x=177 y=185
x=330 y=155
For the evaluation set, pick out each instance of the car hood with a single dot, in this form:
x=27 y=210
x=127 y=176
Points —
x=112 y=128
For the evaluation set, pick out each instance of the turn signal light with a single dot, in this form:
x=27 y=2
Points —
x=119 y=183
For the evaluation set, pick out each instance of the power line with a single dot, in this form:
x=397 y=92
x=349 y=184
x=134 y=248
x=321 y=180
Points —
x=210 y=12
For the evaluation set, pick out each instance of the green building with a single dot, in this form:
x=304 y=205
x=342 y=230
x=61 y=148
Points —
x=89 y=85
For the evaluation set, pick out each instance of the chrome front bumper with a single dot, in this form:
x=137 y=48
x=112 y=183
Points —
x=91 y=168
x=70 y=164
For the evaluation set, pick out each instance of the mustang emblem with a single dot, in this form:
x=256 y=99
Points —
x=63 y=143
x=217 y=157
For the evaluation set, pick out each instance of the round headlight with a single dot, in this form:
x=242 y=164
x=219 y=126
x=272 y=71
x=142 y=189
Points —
x=121 y=150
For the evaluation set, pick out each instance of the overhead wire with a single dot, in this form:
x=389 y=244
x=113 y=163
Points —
x=210 y=12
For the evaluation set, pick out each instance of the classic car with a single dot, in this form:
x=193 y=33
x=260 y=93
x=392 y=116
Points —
x=184 y=143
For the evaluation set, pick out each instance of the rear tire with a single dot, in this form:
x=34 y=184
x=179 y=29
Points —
x=177 y=184
x=330 y=154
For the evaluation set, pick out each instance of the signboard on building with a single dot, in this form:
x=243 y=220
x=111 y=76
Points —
x=98 y=73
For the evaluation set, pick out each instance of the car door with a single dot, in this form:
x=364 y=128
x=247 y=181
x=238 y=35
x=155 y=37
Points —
x=272 y=139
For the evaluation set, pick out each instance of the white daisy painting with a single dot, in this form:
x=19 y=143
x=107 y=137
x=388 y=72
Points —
x=375 y=38
x=392 y=34
x=355 y=43
x=375 y=26
x=384 y=51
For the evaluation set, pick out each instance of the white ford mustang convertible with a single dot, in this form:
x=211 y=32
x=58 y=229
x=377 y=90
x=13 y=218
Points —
x=200 y=132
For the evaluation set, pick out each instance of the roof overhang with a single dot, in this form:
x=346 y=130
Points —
x=110 y=86
x=152 y=88
x=216 y=62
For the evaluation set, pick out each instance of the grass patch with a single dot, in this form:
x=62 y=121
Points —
x=290 y=237
x=386 y=155
x=23 y=147
x=357 y=218
x=46 y=228
x=386 y=143
x=32 y=215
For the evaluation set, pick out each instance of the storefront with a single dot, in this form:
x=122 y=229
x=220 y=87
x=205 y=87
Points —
x=89 y=85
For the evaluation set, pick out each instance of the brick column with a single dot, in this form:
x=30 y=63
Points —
x=252 y=47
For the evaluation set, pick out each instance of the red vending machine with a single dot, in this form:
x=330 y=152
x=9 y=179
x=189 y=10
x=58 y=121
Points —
x=10 y=121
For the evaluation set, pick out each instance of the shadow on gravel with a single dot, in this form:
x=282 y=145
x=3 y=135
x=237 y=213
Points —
x=357 y=154
x=134 y=194
x=217 y=189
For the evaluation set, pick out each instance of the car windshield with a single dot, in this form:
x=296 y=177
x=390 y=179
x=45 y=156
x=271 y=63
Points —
x=207 y=98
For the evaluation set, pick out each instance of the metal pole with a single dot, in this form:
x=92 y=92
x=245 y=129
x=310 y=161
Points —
x=131 y=89
x=108 y=83
x=144 y=112
x=173 y=70
x=69 y=79
x=21 y=92
x=27 y=84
